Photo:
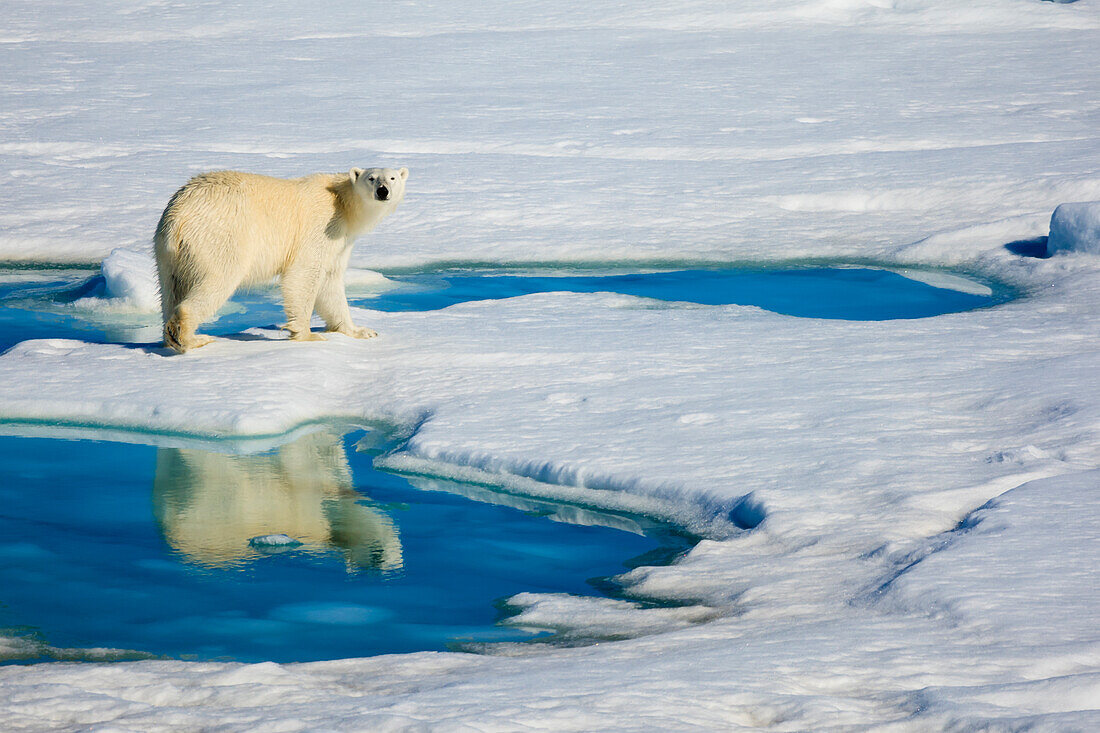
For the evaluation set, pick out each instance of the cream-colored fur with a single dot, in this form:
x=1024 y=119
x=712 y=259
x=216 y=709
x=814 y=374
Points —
x=227 y=229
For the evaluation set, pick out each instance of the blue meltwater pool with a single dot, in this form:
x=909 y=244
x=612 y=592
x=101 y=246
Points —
x=846 y=293
x=301 y=552
x=54 y=304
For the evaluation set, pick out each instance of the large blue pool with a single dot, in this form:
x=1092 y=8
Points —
x=110 y=545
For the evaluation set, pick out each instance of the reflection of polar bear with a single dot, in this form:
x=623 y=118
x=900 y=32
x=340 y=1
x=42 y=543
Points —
x=209 y=505
x=227 y=229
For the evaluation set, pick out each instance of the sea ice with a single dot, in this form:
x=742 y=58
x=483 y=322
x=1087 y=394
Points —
x=922 y=492
x=1075 y=228
x=129 y=282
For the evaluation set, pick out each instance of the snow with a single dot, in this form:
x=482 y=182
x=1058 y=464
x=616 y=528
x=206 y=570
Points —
x=947 y=281
x=129 y=282
x=899 y=517
x=1075 y=228
x=358 y=281
x=1044 y=547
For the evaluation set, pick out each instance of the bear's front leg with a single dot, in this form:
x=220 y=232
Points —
x=299 y=293
x=332 y=305
x=356 y=332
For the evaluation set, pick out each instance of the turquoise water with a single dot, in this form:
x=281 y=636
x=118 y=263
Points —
x=859 y=294
x=135 y=547
x=153 y=549
x=47 y=307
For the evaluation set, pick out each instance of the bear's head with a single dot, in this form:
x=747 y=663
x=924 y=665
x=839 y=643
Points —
x=386 y=185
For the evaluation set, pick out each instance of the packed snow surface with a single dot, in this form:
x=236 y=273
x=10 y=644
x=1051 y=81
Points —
x=900 y=516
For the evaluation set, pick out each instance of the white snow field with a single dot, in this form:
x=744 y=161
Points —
x=902 y=517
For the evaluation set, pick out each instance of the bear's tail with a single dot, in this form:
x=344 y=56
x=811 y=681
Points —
x=166 y=252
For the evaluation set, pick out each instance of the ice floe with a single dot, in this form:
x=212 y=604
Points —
x=1075 y=227
x=898 y=517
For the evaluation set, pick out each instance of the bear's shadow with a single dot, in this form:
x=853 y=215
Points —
x=244 y=336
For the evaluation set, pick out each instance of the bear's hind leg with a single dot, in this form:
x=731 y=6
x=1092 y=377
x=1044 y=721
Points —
x=194 y=310
x=179 y=331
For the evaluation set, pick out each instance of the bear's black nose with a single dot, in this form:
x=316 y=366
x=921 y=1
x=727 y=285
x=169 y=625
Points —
x=383 y=193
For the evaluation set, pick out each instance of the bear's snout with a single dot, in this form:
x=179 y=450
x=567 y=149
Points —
x=383 y=193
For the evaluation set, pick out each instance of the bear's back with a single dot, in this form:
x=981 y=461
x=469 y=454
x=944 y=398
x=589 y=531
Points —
x=228 y=193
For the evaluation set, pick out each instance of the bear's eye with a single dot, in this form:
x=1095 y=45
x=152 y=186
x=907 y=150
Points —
x=392 y=178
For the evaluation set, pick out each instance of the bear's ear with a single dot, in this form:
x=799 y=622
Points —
x=404 y=173
x=355 y=173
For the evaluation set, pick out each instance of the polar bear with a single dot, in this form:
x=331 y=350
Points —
x=226 y=229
